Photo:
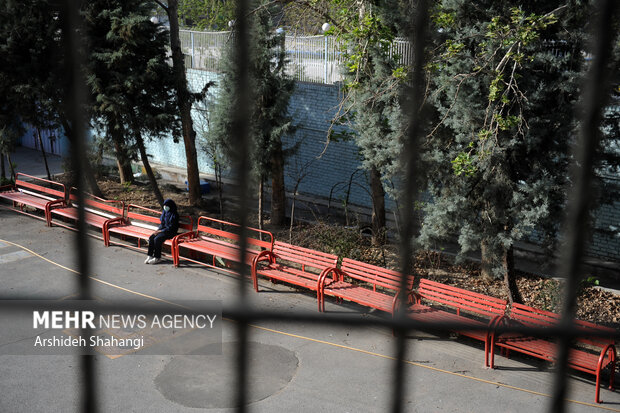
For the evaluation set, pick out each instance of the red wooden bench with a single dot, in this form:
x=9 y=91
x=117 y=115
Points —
x=362 y=283
x=209 y=238
x=294 y=265
x=33 y=192
x=447 y=304
x=139 y=223
x=590 y=354
x=98 y=212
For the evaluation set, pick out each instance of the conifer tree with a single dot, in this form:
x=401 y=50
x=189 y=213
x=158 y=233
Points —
x=374 y=81
x=271 y=89
x=504 y=87
x=130 y=79
x=32 y=76
x=184 y=99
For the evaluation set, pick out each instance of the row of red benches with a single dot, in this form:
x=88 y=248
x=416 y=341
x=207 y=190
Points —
x=476 y=315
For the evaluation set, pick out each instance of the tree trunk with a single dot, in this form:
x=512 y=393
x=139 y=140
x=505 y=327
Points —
x=220 y=188
x=486 y=262
x=290 y=229
x=278 y=194
x=2 y=166
x=88 y=171
x=8 y=158
x=378 y=207
x=506 y=260
x=122 y=159
x=510 y=279
x=185 y=104
x=47 y=169
x=147 y=168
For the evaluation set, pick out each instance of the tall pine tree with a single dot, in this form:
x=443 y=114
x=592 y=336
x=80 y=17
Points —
x=271 y=89
x=130 y=79
x=374 y=81
x=504 y=88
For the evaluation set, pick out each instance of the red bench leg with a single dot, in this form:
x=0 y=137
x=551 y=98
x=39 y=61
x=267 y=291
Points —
x=597 y=391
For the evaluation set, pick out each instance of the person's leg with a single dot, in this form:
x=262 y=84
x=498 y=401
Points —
x=158 y=243
x=151 y=244
x=151 y=249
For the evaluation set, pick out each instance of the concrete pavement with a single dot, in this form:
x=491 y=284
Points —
x=295 y=367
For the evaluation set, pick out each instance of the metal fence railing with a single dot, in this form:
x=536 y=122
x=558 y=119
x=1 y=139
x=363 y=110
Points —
x=316 y=59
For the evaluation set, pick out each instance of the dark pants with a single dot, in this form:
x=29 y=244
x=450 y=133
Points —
x=155 y=243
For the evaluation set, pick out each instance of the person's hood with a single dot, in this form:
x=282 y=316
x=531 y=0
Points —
x=171 y=204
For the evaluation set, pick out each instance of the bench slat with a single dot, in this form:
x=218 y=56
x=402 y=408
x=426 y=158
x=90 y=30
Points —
x=582 y=358
x=294 y=265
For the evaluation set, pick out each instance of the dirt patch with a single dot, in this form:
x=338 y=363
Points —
x=594 y=304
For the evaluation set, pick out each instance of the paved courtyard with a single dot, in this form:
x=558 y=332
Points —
x=295 y=367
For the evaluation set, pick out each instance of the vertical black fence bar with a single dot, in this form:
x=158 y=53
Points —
x=411 y=190
x=74 y=100
x=241 y=139
x=596 y=92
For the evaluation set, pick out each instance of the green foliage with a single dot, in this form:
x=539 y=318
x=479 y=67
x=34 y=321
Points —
x=271 y=88
x=31 y=79
x=206 y=14
x=504 y=83
x=127 y=187
x=130 y=81
x=464 y=164
x=374 y=82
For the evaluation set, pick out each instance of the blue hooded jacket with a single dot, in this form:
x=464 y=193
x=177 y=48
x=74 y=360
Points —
x=169 y=220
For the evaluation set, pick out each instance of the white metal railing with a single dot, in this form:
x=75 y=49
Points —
x=314 y=59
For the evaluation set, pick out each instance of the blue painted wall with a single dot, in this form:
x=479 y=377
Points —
x=328 y=168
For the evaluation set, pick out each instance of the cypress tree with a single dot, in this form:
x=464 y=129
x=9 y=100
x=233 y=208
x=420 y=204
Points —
x=130 y=79
x=373 y=87
x=271 y=89
x=504 y=87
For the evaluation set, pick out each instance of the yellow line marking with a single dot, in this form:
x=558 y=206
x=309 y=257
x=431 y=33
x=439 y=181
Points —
x=342 y=346
x=91 y=277
x=413 y=363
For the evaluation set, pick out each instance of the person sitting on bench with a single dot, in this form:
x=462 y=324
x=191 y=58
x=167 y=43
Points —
x=167 y=230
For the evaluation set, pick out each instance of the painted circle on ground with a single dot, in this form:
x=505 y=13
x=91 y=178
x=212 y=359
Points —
x=208 y=382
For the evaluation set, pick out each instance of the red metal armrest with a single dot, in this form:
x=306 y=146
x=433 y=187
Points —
x=336 y=276
x=320 y=284
x=61 y=202
x=115 y=221
x=48 y=209
x=265 y=255
x=179 y=238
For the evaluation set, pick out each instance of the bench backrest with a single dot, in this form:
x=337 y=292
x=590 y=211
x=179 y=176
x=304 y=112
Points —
x=309 y=260
x=375 y=275
x=106 y=207
x=534 y=317
x=40 y=187
x=147 y=217
x=598 y=341
x=462 y=300
x=212 y=227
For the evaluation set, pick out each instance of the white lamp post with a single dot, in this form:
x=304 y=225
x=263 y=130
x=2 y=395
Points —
x=325 y=27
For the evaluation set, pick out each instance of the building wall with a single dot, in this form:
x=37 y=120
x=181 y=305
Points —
x=328 y=170
x=321 y=168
